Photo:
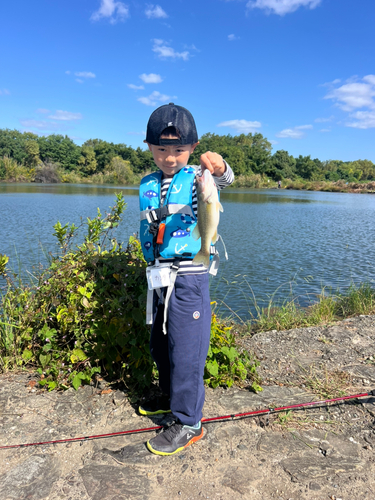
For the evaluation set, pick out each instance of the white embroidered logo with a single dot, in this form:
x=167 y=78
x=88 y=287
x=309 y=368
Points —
x=196 y=314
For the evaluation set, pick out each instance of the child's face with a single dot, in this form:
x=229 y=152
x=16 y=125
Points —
x=171 y=159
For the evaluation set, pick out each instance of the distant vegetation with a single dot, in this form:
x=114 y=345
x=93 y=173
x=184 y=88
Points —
x=27 y=157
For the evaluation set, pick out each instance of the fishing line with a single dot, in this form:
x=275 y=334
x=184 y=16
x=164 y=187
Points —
x=204 y=421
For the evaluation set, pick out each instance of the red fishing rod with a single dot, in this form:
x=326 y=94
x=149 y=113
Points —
x=204 y=421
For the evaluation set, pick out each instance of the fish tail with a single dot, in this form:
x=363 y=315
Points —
x=201 y=258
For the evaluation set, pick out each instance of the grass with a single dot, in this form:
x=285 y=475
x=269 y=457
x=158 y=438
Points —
x=357 y=300
x=328 y=308
x=325 y=383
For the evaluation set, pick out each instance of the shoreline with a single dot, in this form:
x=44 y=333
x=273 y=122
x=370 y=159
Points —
x=318 y=186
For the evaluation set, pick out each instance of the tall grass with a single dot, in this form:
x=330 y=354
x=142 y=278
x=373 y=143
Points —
x=286 y=314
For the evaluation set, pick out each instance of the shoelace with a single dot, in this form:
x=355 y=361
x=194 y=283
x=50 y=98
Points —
x=172 y=431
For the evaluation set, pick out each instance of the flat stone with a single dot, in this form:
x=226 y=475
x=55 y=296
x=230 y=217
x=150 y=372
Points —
x=362 y=371
x=105 y=482
x=304 y=468
x=239 y=479
x=131 y=454
x=119 y=397
x=31 y=480
x=37 y=401
x=270 y=396
x=276 y=443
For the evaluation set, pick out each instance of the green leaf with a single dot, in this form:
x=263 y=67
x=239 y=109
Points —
x=26 y=355
x=213 y=368
x=77 y=355
x=44 y=359
x=256 y=387
x=138 y=316
x=76 y=382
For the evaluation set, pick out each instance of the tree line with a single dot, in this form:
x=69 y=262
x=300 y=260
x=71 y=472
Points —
x=247 y=154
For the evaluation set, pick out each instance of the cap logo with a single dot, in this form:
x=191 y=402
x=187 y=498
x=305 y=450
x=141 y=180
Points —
x=196 y=314
x=170 y=124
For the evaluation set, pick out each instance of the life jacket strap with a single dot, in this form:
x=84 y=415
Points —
x=158 y=214
x=174 y=270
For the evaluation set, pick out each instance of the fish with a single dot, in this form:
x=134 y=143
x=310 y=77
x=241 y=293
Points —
x=209 y=208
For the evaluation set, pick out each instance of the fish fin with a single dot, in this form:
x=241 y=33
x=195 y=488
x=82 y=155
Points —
x=201 y=258
x=215 y=237
x=220 y=206
x=196 y=233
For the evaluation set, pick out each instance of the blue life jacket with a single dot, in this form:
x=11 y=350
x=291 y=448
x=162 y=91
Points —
x=176 y=213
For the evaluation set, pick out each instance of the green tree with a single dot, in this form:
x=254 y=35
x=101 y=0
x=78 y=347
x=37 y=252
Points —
x=87 y=161
x=283 y=166
x=306 y=167
x=104 y=152
x=59 y=149
x=32 y=153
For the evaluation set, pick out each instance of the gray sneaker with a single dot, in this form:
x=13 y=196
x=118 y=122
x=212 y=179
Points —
x=174 y=439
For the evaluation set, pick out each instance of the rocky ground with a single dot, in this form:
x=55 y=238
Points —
x=316 y=453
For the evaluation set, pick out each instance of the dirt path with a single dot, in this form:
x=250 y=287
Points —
x=317 y=453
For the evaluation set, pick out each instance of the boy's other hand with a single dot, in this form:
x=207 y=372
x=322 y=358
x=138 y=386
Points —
x=213 y=162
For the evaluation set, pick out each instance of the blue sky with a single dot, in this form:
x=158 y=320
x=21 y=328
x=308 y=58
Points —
x=301 y=72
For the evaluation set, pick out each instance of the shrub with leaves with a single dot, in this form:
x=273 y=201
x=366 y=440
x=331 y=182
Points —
x=86 y=315
x=225 y=364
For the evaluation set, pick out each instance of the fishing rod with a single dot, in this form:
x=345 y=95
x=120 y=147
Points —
x=204 y=421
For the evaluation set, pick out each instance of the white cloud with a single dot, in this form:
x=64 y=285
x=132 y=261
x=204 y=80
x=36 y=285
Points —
x=79 y=80
x=85 y=74
x=138 y=133
x=357 y=98
x=295 y=132
x=232 y=37
x=325 y=130
x=151 y=78
x=67 y=72
x=42 y=125
x=4 y=92
x=281 y=7
x=155 y=12
x=370 y=79
x=65 y=116
x=42 y=111
x=155 y=98
x=354 y=94
x=324 y=120
x=114 y=11
x=135 y=87
x=164 y=51
x=362 y=119
x=241 y=126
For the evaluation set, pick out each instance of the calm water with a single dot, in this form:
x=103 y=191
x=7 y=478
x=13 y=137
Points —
x=276 y=240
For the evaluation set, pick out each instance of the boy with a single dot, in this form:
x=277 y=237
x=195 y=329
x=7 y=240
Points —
x=179 y=299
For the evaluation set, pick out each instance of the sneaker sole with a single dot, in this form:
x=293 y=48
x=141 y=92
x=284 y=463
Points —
x=163 y=453
x=157 y=412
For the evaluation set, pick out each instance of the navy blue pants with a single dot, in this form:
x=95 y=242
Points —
x=181 y=354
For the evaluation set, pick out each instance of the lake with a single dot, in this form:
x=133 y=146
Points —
x=279 y=242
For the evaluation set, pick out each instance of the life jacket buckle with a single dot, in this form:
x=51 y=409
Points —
x=152 y=216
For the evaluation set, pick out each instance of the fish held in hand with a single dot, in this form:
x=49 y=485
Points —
x=209 y=208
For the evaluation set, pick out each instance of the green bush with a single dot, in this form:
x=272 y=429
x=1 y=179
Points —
x=225 y=364
x=86 y=315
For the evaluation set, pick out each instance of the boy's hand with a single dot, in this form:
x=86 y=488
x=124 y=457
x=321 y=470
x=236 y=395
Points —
x=213 y=162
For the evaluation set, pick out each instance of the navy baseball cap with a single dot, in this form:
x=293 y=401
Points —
x=171 y=115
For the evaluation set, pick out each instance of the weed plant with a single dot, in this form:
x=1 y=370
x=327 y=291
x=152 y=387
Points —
x=86 y=315
x=326 y=308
